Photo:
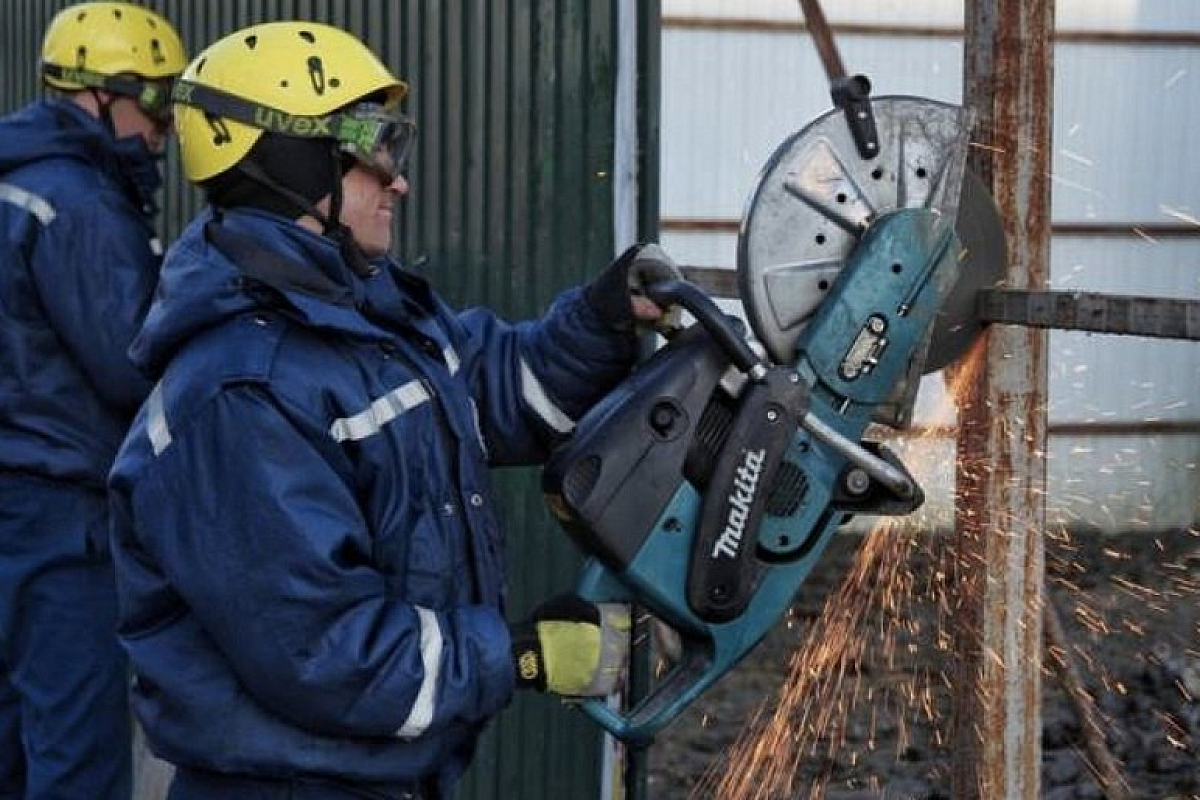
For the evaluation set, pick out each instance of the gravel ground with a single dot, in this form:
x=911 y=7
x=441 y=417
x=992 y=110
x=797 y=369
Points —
x=872 y=725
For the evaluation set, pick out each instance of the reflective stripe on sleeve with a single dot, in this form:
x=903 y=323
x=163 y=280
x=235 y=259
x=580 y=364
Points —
x=479 y=430
x=450 y=355
x=371 y=420
x=535 y=395
x=23 y=198
x=156 y=421
x=421 y=713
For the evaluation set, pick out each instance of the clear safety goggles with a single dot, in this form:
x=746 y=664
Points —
x=153 y=97
x=379 y=138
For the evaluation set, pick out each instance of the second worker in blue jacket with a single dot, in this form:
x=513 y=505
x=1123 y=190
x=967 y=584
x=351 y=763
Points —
x=79 y=259
x=309 y=555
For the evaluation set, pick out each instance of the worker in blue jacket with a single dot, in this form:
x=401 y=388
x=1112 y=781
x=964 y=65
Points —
x=309 y=556
x=79 y=260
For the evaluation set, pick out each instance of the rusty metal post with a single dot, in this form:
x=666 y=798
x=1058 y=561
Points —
x=1001 y=474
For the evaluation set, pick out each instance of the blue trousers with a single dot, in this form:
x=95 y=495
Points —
x=64 y=714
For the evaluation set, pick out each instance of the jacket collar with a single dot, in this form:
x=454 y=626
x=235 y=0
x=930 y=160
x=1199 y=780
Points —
x=127 y=159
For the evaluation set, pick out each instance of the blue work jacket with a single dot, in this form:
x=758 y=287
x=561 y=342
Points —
x=309 y=557
x=79 y=259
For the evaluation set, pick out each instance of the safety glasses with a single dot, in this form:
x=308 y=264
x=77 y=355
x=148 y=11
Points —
x=379 y=138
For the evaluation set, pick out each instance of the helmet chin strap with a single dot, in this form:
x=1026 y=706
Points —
x=331 y=224
x=104 y=110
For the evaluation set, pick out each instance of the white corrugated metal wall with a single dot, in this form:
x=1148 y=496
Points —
x=1124 y=412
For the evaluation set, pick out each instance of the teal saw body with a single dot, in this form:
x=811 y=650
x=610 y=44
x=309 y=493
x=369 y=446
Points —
x=705 y=489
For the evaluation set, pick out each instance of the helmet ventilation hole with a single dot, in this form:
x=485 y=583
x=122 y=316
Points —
x=307 y=36
x=117 y=13
x=252 y=42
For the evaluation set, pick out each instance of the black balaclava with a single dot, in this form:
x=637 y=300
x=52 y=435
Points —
x=301 y=165
x=288 y=175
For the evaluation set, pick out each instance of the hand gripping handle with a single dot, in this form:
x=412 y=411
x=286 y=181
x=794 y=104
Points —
x=694 y=672
x=712 y=318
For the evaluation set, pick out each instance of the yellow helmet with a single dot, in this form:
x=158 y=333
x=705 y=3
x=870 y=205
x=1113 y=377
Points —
x=107 y=45
x=291 y=78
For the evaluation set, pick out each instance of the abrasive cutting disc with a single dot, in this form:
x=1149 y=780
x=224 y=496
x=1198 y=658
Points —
x=816 y=195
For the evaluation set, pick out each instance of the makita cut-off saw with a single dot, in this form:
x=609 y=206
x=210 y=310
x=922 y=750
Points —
x=705 y=488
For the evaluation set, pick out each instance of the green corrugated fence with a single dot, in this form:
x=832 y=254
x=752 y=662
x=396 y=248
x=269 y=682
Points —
x=514 y=185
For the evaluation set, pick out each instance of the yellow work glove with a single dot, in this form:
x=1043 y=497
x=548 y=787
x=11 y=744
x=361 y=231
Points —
x=573 y=647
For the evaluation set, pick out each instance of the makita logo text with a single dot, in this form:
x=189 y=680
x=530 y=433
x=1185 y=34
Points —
x=740 y=501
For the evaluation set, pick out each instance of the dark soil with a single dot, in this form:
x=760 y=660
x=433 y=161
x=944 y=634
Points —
x=1130 y=608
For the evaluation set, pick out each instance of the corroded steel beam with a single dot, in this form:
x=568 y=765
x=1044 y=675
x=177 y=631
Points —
x=1131 y=315
x=1001 y=471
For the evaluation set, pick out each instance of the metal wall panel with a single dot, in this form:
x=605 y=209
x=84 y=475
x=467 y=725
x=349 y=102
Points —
x=730 y=97
x=512 y=200
x=1125 y=132
x=1125 y=379
x=1124 y=412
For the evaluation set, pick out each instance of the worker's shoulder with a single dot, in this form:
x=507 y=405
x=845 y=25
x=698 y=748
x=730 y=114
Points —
x=241 y=349
x=60 y=174
x=266 y=347
x=62 y=188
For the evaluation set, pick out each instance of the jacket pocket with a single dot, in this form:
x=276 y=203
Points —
x=437 y=571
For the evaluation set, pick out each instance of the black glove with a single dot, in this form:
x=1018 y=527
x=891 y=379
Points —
x=573 y=647
x=638 y=267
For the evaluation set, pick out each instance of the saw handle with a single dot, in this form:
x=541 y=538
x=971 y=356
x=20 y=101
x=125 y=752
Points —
x=712 y=318
x=681 y=687
x=693 y=672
